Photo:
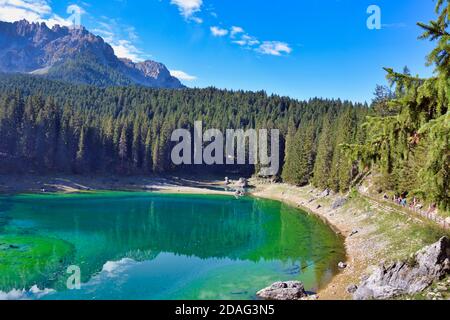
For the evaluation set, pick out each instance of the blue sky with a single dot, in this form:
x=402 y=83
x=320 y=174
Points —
x=297 y=48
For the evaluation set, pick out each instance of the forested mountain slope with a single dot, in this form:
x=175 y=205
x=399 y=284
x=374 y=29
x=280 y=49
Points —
x=74 y=55
x=58 y=127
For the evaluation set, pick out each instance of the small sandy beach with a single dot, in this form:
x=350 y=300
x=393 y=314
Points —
x=11 y=184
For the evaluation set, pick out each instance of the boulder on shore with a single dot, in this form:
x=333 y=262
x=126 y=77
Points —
x=409 y=277
x=340 y=202
x=284 y=291
x=243 y=183
x=352 y=289
x=324 y=194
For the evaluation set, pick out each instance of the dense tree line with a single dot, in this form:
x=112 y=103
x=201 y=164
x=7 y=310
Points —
x=314 y=152
x=50 y=126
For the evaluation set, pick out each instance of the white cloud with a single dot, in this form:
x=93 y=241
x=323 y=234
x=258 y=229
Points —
x=239 y=37
x=108 y=36
x=218 y=32
x=55 y=19
x=182 y=75
x=240 y=42
x=11 y=14
x=249 y=40
x=236 y=30
x=132 y=34
x=34 y=11
x=274 y=48
x=122 y=38
x=125 y=49
x=188 y=8
x=197 y=19
x=39 y=7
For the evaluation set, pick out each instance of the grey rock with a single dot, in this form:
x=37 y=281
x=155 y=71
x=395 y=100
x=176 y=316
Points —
x=354 y=232
x=352 y=289
x=243 y=183
x=442 y=288
x=408 y=277
x=340 y=202
x=325 y=193
x=150 y=73
x=284 y=291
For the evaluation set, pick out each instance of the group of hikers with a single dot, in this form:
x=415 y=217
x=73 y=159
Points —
x=415 y=205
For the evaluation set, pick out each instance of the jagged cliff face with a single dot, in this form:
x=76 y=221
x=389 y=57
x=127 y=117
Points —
x=73 y=54
x=144 y=71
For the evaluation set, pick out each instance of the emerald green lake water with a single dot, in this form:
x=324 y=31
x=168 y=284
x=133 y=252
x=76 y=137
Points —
x=151 y=246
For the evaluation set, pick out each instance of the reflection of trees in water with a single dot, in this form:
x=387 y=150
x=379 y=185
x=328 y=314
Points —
x=299 y=240
x=240 y=230
x=205 y=229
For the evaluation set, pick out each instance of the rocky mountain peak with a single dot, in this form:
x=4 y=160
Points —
x=35 y=48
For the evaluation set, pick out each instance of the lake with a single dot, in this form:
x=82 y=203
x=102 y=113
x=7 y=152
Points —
x=153 y=246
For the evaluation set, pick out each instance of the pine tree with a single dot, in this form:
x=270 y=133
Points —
x=342 y=167
x=322 y=167
x=161 y=159
x=157 y=165
x=123 y=149
x=301 y=157
x=435 y=171
x=289 y=155
x=108 y=159
x=82 y=153
x=48 y=128
x=136 y=146
x=64 y=147
x=28 y=138
x=148 y=161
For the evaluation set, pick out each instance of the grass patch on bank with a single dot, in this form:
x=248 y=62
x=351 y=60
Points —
x=403 y=234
